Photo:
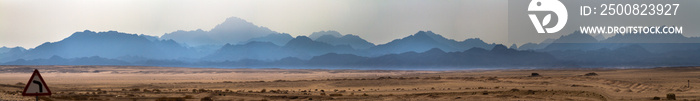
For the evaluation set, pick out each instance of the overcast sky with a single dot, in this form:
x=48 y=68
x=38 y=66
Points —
x=29 y=23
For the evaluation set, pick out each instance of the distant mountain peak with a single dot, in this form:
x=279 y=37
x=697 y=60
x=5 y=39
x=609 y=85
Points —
x=422 y=35
x=232 y=30
x=353 y=41
x=316 y=35
x=435 y=50
x=303 y=41
x=473 y=40
x=238 y=24
x=302 y=38
x=425 y=33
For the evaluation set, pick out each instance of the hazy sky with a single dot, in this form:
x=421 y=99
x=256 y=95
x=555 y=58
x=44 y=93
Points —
x=28 y=23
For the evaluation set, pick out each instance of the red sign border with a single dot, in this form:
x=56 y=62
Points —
x=36 y=72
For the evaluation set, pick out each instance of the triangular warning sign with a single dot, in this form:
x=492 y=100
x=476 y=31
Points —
x=36 y=86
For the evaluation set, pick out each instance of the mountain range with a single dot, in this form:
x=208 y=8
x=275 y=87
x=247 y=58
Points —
x=238 y=43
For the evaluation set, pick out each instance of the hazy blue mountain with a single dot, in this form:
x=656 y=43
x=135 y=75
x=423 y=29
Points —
x=333 y=59
x=254 y=46
x=252 y=50
x=233 y=30
x=536 y=46
x=203 y=50
x=425 y=40
x=5 y=49
x=11 y=54
x=353 y=40
x=277 y=39
x=109 y=44
x=514 y=46
x=306 y=48
x=499 y=56
x=316 y=35
x=475 y=43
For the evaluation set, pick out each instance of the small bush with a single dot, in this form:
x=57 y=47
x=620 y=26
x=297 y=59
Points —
x=591 y=74
x=515 y=90
x=671 y=96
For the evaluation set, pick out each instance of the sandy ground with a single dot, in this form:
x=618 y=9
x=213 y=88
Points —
x=194 y=84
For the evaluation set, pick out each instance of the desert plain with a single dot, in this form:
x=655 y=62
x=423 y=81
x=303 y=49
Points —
x=136 y=83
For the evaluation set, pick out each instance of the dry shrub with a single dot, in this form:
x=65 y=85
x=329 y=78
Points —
x=591 y=74
x=670 y=96
x=514 y=90
x=335 y=94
